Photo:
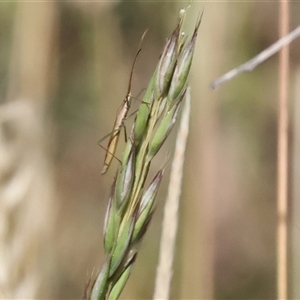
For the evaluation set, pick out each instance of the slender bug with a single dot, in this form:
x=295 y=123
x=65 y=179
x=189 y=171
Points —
x=119 y=121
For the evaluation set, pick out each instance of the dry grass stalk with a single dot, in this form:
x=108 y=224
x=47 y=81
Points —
x=170 y=219
x=282 y=160
x=131 y=205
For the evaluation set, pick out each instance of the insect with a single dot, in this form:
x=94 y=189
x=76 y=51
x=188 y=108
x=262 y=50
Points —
x=119 y=121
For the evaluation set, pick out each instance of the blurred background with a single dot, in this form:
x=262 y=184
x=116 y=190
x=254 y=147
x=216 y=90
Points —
x=64 y=69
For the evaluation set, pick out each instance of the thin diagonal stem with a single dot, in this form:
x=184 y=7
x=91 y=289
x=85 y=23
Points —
x=258 y=59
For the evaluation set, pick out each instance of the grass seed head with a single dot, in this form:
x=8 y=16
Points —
x=143 y=113
x=131 y=205
x=164 y=129
x=167 y=63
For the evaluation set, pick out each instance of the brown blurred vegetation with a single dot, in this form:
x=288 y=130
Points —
x=71 y=62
